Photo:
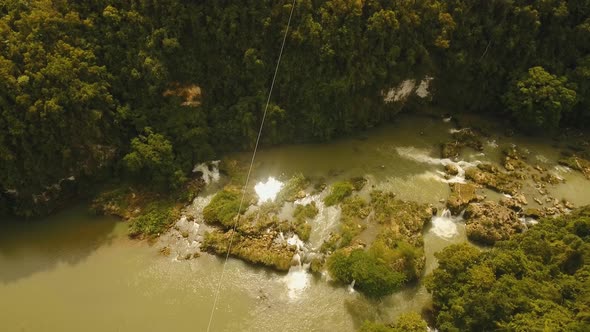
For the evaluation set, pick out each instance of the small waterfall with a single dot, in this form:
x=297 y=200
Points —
x=444 y=225
x=351 y=286
x=209 y=171
x=298 y=278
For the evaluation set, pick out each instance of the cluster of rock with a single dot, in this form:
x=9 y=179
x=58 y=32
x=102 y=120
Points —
x=462 y=138
x=578 y=163
x=488 y=221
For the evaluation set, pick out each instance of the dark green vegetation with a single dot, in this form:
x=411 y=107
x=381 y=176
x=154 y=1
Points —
x=410 y=322
x=371 y=273
x=536 y=281
x=145 y=89
x=395 y=256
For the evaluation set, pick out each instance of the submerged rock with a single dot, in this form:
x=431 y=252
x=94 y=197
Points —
x=462 y=138
x=577 y=163
x=452 y=169
x=514 y=159
x=489 y=222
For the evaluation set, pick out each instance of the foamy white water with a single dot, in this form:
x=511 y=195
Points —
x=210 y=171
x=445 y=226
x=422 y=156
x=297 y=280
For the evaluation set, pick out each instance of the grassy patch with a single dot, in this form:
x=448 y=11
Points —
x=223 y=208
x=338 y=192
x=154 y=219
x=354 y=210
x=259 y=249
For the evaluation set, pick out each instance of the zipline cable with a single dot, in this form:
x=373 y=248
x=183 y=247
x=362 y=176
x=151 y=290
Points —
x=250 y=170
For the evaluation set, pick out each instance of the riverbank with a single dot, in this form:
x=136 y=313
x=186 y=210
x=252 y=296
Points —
x=403 y=159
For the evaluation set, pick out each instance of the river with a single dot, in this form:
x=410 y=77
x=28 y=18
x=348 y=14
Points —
x=77 y=272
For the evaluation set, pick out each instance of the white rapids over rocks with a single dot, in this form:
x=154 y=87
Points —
x=209 y=171
x=422 y=156
x=326 y=221
x=184 y=238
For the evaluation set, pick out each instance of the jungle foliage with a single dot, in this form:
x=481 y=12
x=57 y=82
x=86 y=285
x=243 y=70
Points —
x=84 y=86
x=536 y=281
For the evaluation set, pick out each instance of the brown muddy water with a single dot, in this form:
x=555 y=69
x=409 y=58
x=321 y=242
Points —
x=77 y=272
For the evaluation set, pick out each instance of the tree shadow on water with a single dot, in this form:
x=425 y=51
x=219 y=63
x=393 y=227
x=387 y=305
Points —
x=31 y=246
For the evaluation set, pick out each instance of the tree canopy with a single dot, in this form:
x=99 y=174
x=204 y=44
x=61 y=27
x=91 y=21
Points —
x=537 y=281
x=81 y=80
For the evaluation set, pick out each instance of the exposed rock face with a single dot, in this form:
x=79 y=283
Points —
x=490 y=176
x=514 y=203
x=461 y=195
x=489 y=222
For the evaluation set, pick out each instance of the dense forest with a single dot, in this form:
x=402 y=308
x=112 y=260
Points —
x=536 y=281
x=91 y=90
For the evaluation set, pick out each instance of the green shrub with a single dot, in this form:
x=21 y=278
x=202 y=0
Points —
x=303 y=230
x=372 y=275
x=338 y=192
x=222 y=209
x=308 y=211
x=152 y=157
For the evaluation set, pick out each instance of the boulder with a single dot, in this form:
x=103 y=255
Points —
x=451 y=169
x=461 y=195
x=489 y=222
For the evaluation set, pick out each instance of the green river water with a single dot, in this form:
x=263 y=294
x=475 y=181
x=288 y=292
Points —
x=77 y=272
